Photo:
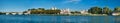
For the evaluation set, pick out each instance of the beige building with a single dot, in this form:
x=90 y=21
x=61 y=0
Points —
x=84 y=12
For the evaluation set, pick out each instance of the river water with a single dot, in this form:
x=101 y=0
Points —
x=58 y=19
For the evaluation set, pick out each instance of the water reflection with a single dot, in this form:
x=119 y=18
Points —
x=57 y=19
x=117 y=19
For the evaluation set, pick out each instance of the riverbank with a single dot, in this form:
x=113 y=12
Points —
x=69 y=14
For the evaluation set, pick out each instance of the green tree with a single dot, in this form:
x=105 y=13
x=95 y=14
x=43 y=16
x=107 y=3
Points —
x=95 y=10
x=31 y=9
x=117 y=9
x=36 y=11
x=0 y=13
x=106 y=10
x=41 y=9
x=52 y=11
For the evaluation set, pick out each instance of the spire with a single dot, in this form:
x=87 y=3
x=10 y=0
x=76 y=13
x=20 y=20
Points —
x=65 y=11
x=54 y=8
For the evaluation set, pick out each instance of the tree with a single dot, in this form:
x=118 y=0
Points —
x=36 y=11
x=0 y=13
x=95 y=10
x=41 y=9
x=117 y=9
x=52 y=11
x=106 y=10
x=31 y=9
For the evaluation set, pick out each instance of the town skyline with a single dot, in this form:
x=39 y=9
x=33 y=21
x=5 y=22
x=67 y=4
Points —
x=22 y=5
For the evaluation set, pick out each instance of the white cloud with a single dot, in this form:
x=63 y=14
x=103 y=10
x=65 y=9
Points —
x=72 y=1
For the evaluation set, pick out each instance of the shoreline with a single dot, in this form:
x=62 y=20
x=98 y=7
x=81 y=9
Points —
x=66 y=14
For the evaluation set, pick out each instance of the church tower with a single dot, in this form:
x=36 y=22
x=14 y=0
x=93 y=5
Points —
x=65 y=11
x=53 y=8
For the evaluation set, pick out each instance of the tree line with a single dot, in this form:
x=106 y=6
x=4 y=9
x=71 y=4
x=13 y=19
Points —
x=105 y=10
x=92 y=10
x=43 y=11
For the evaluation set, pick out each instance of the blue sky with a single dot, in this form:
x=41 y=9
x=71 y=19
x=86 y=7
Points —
x=22 y=5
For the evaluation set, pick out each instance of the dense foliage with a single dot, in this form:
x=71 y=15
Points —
x=117 y=9
x=95 y=10
x=106 y=10
x=43 y=11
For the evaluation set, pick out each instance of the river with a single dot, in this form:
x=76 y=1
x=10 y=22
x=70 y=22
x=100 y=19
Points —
x=58 y=19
